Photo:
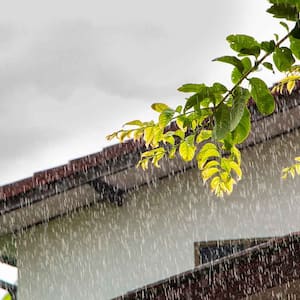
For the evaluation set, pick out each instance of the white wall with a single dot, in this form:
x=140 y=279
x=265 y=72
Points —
x=105 y=251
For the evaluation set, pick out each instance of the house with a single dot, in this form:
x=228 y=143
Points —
x=99 y=228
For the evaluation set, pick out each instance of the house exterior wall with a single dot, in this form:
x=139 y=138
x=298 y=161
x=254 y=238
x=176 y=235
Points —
x=104 y=251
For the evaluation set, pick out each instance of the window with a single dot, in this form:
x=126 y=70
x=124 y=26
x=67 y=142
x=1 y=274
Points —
x=211 y=250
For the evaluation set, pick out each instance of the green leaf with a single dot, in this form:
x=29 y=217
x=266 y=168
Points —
x=187 y=150
x=236 y=75
x=285 y=2
x=284 y=11
x=295 y=46
x=283 y=59
x=191 y=88
x=242 y=130
x=269 y=66
x=203 y=136
x=192 y=101
x=228 y=142
x=165 y=117
x=240 y=98
x=268 y=47
x=296 y=31
x=231 y=60
x=134 y=122
x=285 y=26
x=159 y=107
x=262 y=96
x=195 y=100
x=178 y=109
x=218 y=88
x=244 y=44
x=222 y=122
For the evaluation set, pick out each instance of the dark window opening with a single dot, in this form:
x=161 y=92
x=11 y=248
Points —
x=212 y=250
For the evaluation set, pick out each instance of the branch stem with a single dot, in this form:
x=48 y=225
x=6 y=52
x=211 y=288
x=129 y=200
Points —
x=257 y=63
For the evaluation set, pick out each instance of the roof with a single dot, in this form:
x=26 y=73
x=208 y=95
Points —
x=255 y=271
x=111 y=172
x=78 y=165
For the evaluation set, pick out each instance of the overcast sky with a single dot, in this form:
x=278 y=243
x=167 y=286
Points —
x=73 y=72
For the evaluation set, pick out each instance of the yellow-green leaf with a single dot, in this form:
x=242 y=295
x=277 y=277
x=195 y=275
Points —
x=111 y=136
x=137 y=134
x=158 y=156
x=143 y=163
x=172 y=152
x=165 y=117
x=148 y=135
x=215 y=182
x=297 y=168
x=207 y=152
x=7 y=297
x=236 y=168
x=290 y=86
x=157 y=136
x=292 y=172
x=187 y=151
x=212 y=163
x=135 y=123
x=208 y=173
x=179 y=133
x=203 y=136
x=225 y=164
x=159 y=107
x=122 y=135
x=228 y=186
x=169 y=139
x=237 y=154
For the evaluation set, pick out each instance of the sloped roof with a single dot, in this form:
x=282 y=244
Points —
x=255 y=271
x=119 y=157
x=81 y=164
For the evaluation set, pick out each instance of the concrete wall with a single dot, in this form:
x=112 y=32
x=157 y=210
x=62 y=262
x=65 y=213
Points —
x=104 y=251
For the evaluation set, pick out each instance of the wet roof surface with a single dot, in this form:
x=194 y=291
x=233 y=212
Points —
x=250 y=272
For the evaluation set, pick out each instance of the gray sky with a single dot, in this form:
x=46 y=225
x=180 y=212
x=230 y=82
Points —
x=72 y=72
